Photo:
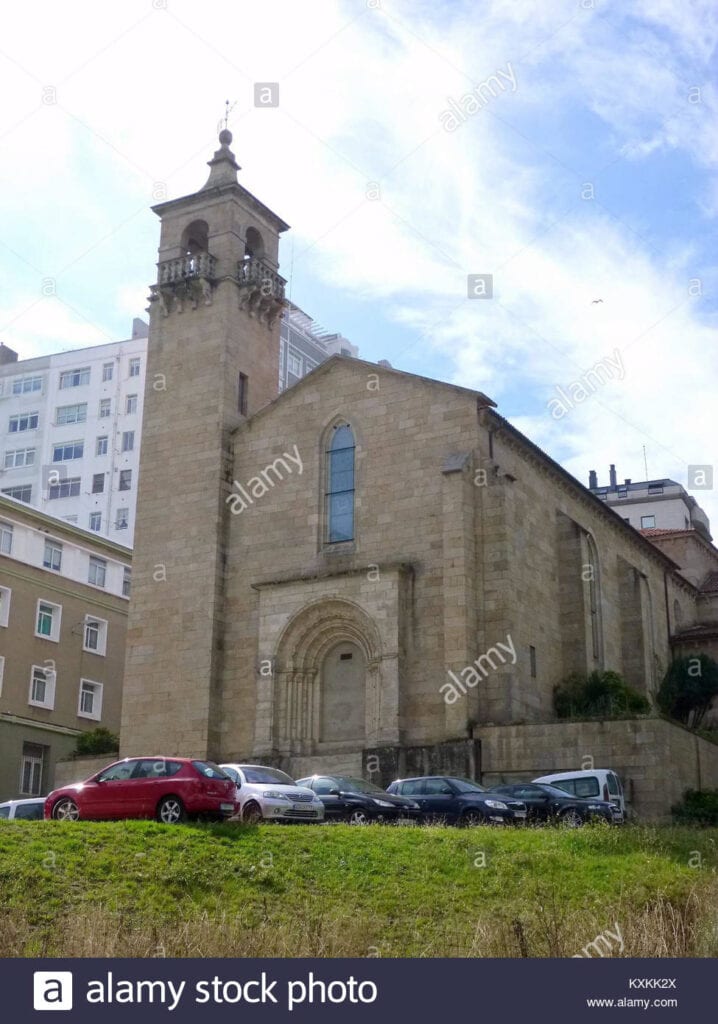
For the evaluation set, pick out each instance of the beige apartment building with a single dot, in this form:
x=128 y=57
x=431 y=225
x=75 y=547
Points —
x=64 y=595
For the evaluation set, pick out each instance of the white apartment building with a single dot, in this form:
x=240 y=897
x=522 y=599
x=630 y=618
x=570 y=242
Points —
x=303 y=344
x=70 y=429
x=652 y=504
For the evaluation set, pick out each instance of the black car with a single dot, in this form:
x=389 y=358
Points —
x=459 y=801
x=547 y=803
x=358 y=802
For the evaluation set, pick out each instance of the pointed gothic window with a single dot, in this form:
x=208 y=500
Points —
x=340 y=485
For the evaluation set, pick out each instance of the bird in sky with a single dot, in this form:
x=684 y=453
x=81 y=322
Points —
x=594 y=301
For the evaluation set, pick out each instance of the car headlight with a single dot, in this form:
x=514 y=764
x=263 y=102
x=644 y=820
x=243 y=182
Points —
x=498 y=805
x=382 y=803
x=273 y=795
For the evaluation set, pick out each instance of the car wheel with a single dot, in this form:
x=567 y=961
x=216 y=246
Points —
x=170 y=810
x=571 y=818
x=66 y=810
x=473 y=817
x=252 y=814
x=358 y=817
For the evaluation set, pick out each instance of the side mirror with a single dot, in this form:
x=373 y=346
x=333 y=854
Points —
x=335 y=792
x=238 y=784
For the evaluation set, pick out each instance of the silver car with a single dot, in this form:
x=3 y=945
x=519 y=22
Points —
x=269 y=794
x=28 y=810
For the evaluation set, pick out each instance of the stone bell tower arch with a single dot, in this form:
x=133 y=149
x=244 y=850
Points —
x=213 y=360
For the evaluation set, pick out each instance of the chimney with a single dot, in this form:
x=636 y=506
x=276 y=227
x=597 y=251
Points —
x=627 y=481
x=7 y=355
x=612 y=477
x=592 y=480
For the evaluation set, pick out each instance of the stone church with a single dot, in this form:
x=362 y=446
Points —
x=372 y=572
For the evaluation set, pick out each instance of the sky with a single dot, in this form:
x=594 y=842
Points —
x=566 y=148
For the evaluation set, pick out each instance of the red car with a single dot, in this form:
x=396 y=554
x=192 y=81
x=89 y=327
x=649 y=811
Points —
x=169 y=789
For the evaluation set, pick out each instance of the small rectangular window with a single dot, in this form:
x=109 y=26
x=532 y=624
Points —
x=126 y=581
x=26 y=385
x=5 y=595
x=532 y=661
x=107 y=369
x=95 y=521
x=74 y=378
x=95 y=635
x=123 y=519
x=135 y=366
x=128 y=440
x=648 y=522
x=105 y=408
x=101 y=446
x=20 y=458
x=90 y=702
x=131 y=404
x=67 y=451
x=5 y=538
x=294 y=365
x=23 y=421
x=69 y=488
x=32 y=767
x=98 y=571
x=53 y=555
x=71 y=413
x=242 y=394
x=23 y=493
x=98 y=483
x=47 y=624
x=125 y=480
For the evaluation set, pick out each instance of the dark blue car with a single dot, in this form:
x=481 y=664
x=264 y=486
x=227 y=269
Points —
x=458 y=801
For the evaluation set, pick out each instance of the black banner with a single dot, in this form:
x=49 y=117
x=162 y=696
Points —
x=408 y=991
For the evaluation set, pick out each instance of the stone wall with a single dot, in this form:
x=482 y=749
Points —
x=656 y=761
x=77 y=769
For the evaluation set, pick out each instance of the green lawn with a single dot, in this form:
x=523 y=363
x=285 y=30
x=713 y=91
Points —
x=138 y=888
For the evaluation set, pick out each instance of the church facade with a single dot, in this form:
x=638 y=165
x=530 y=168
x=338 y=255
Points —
x=364 y=573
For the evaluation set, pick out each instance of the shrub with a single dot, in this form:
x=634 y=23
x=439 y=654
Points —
x=97 y=741
x=597 y=695
x=698 y=807
x=688 y=689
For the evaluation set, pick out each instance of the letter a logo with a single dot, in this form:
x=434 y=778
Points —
x=52 y=990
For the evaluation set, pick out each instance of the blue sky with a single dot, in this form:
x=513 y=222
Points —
x=588 y=171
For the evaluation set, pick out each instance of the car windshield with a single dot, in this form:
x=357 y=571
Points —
x=468 y=786
x=210 y=770
x=4 y=812
x=350 y=785
x=271 y=776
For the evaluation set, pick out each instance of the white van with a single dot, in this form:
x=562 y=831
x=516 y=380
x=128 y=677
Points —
x=603 y=783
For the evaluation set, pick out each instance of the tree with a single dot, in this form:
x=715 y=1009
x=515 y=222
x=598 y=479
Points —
x=97 y=741
x=597 y=695
x=689 y=688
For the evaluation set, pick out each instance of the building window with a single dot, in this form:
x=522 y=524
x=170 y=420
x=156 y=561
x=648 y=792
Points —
x=19 y=458
x=31 y=769
x=340 y=485
x=90 y=702
x=69 y=488
x=98 y=483
x=622 y=492
x=294 y=365
x=107 y=371
x=95 y=635
x=42 y=687
x=105 y=408
x=52 y=558
x=5 y=595
x=655 y=488
x=95 y=521
x=243 y=394
x=101 y=446
x=22 y=493
x=23 y=421
x=98 y=571
x=67 y=451
x=532 y=661
x=5 y=538
x=47 y=623
x=131 y=404
x=590 y=576
x=126 y=581
x=125 y=480
x=128 y=440
x=123 y=519
x=26 y=385
x=648 y=522
x=71 y=413
x=135 y=366
x=74 y=378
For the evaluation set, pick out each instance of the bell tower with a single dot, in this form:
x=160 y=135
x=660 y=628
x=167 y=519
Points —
x=213 y=360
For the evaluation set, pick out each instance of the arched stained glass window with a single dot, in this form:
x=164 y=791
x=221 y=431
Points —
x=340 y=485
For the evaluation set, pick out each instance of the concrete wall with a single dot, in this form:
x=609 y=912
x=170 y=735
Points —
x=77 y=769
x=656 y=761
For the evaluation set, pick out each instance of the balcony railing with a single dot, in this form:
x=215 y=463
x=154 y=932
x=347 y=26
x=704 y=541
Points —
x=256 y=273
x=186 y=268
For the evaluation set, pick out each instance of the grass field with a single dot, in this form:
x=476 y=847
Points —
x=142 y=889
